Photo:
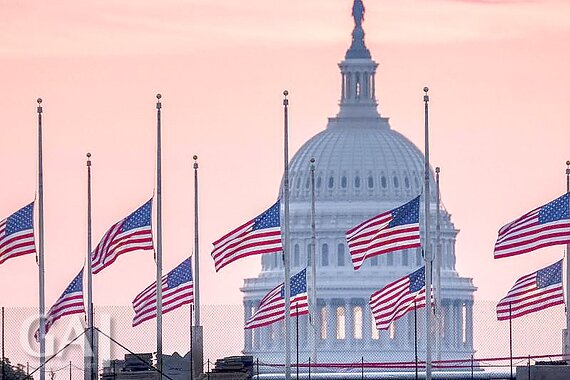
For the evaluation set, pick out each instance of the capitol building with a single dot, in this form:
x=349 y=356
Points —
x=362 y=167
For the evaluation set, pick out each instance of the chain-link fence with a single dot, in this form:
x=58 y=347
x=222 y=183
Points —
x=341 y=344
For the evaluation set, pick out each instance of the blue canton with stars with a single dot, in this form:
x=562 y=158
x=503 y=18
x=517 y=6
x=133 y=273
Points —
x=180 y=275
x=417 y=280
x=140 y=218
x=406 y=214
x=298 y=284
x=268 y=219
x=555 y=210
x=20 y=220
x=549 y=276
x=76 y=285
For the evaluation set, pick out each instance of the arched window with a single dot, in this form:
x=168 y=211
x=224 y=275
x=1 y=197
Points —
x=357 y=317
x=370 y=182
x=390 y=259
x=325 y=255
x=298 y=181
x=340 y=255
x=296 y=256
x=374 y=261
x=384 y=182
x=319 y=182
x=396 y=182
x=407 y=182
x=374 y=331
x=331 y=182
x=344 y=182
x=340 y=323
x=405 y=259
x=357 y=182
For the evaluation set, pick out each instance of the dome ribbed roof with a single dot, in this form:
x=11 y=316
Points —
x=358 y=162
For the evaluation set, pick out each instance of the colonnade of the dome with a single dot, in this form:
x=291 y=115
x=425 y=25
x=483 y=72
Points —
x=347 y=325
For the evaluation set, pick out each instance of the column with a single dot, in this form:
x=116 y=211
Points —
x=458 y=324
x=469 y=325
x=331 y=323
x=366 y=323
x=447 y=338
x=247 y=332
x=343 y=90
x=348 y=323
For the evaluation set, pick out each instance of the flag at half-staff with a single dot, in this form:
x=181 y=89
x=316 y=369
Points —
x=397 y=298
x=17 y=234
x=533 y=292
x=177 y=290
x=258 y=236
x=542 y=227
x=129 y=234
x=390 y=231
x=272 y=307
x=70 y=302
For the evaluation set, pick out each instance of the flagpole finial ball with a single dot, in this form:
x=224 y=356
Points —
x=285 y=92
x=195 y=157
x=312 y=160
x=39 y=100
x=568 y=163
x=88 y=155
x=158 y=96
x=426 y=89
x=437 y=169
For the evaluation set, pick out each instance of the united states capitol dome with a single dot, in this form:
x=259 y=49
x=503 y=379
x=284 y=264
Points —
x=362 y=167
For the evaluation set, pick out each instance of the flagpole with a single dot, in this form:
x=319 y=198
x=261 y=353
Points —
x=198 y=333
x=416 y=338
x=437 y=263
x=191 y=345
x=313 y=263
x=90 y=374
x=567 y=346
x=427 y=250
x=511 y=340
x=41 y=264
x=158 y=237
x=285 y=233
x=297 y=337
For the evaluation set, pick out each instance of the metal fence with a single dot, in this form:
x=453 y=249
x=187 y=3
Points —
x=537 y=336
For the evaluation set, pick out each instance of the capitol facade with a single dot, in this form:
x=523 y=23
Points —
x=362 y=168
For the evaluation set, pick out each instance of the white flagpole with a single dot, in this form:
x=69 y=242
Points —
x=567 y=345
x=437 y=263
x=41 y=266
x=313 y=262
x=197 y=335
x=158 y=238
x=285 y=239
x=427 y=251
x=90 y=371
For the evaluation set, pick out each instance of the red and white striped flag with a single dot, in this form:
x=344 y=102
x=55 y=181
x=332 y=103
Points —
x=542 y=227
x=258 y=236
x=390 y=231
x=533 y=292
x=397 y=298
x=271 y=309
x=70 y=302
x=130 y=234
x=177 y=290
x=17 y=234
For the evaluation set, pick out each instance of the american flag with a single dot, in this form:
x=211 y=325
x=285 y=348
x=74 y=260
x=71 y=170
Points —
x=70 y=302
x=258 y=236
x=533 y=292
x=177 y=290
x=17 y=234
x=397 y=298
x=390 y=231
x=132 y=233
x=272 y=307
x=542 y=227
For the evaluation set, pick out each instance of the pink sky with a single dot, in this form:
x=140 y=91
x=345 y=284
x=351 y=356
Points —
x=498 y=73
